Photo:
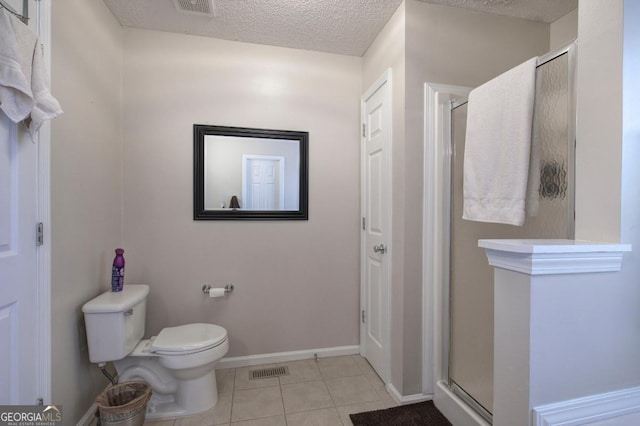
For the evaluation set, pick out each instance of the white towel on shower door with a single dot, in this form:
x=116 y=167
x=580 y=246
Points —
x=498 y=145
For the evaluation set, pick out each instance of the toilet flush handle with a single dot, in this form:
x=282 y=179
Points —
x=128 y=312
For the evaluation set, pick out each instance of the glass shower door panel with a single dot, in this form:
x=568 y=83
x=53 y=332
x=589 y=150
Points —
x=470 y=276
x=471 y=288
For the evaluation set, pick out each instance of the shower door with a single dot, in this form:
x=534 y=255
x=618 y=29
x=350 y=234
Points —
x=470 y=276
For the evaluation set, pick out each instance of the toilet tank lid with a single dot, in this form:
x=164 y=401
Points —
x=110 y=302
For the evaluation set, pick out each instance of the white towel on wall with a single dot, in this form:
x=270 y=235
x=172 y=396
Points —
x=16 y=99
x=498 y=145
x=46 y=106
x=24 y=87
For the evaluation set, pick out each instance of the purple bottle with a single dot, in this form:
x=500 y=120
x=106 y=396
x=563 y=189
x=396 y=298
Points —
x=117 y=272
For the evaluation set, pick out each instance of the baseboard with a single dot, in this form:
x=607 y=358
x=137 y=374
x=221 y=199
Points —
x=88 y=417
x=245 y=361
x=621 y=407
x=406 y=399
x=90 y=414
x=454 y=409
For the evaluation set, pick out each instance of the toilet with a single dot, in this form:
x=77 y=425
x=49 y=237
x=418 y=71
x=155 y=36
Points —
x=178 y=363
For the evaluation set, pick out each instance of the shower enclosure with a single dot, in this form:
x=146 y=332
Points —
x=466 y=272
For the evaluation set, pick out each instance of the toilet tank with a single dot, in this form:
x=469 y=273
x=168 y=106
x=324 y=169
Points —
x=115 y=322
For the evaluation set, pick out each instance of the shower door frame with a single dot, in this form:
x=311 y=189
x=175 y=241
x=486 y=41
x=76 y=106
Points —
x=439 y=101
x=435 y=312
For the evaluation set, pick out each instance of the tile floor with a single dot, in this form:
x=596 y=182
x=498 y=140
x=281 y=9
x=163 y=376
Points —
x=315 y=393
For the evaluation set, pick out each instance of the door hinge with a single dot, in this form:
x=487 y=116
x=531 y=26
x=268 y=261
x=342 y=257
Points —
x=363 y=224
x=40 y=234
x=364 y=133
x=363 y=321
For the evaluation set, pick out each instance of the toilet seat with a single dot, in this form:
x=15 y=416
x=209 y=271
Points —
x=188 y=339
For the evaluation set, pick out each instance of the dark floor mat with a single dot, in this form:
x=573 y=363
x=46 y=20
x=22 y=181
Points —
x=421 y=414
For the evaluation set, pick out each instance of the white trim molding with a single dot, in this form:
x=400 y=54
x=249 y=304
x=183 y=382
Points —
x=435 y=241
x=89 y=416
x=406 y=399
x=544 y=257
x=620 y=405
x=454 y=408
x=42 y=22
x=534 y=294
x=246 y=361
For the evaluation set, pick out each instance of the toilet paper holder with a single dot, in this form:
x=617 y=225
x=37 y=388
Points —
x=228 y=288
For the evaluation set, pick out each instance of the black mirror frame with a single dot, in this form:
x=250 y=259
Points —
x=199 y=212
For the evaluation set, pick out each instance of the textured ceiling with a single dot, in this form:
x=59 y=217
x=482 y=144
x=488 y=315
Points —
x=534 y=10
x=346 y=27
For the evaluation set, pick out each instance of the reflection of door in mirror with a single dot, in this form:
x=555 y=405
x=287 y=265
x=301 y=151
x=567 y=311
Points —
x=262 y=183
x=225 y=176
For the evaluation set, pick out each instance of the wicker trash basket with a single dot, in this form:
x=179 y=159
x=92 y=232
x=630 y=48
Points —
x=124 y=404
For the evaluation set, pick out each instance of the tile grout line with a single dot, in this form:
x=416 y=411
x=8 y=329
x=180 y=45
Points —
x=335 y=407
x=324 y=380
x=233 y=394
x=284 y=412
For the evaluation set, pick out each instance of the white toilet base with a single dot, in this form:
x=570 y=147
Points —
x=192 y=397
x=170 y=397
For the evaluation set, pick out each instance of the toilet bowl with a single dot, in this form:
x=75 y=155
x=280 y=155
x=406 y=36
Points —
x=178 y=363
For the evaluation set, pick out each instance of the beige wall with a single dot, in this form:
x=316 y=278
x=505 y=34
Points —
x=599 y=124
x=297 y=282
x=387 y=51
x=564 y=30
x=86 y=151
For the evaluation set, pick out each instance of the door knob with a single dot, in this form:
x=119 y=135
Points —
x=380 y=249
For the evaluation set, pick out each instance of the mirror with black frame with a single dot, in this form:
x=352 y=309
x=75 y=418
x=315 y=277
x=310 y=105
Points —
x=245 y=173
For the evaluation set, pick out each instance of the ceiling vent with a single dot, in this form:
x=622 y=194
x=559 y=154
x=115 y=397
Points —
x=196 y=7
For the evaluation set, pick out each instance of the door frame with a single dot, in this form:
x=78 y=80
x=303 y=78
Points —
x=385 y=78
x=435 y=239
x=42 y=17
x=40 y=22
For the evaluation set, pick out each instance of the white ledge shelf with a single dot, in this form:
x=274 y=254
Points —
x=545 y=257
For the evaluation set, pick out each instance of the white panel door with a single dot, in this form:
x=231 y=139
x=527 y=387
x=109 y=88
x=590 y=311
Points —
x=18 y=265
x=376 y=203
x=263 y=187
